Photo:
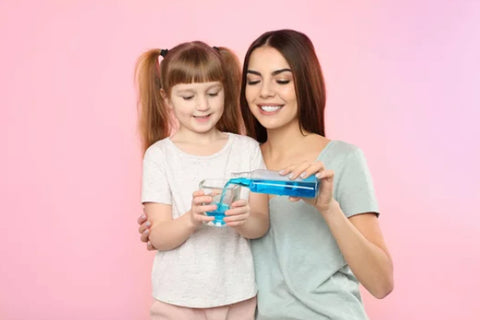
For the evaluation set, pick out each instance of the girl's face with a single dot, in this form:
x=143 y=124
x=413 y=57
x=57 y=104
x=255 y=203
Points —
x=197 y=106
x=270 y=90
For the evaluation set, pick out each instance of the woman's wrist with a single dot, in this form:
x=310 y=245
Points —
x=330 y=209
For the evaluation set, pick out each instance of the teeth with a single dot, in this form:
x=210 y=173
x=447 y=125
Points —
x=270 y=108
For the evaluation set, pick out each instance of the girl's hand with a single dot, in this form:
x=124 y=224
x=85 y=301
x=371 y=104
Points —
x=144 y=229
x=324 y=201
x=201 y=204
x=237 y=214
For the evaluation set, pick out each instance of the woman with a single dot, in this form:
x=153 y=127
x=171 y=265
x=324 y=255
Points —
x=310 y=262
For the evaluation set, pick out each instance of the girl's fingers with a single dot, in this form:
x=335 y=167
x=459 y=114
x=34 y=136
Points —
x=198 y=200
x=239 y=203
x=236 y=218
x=294 y=199
x=237 y=211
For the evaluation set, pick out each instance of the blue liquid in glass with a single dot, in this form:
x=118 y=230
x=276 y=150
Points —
x=219 y=213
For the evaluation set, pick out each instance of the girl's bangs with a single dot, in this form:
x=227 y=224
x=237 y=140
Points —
x=198 y=70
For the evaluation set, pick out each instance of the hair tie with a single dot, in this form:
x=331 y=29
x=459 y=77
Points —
x=163 y=52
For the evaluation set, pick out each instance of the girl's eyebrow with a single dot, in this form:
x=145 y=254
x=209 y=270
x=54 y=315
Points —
x=274 y=73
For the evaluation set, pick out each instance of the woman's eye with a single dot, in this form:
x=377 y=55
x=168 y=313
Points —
x=187 y=97
x=283 y=81
x=213 y=94
x=252 y=82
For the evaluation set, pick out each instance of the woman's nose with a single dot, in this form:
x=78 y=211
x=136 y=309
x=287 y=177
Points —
x=266 y=90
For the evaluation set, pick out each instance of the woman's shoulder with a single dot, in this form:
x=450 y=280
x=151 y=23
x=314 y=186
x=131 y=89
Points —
x=340 y=150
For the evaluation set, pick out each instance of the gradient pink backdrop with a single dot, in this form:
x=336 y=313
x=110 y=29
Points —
x=403 y=84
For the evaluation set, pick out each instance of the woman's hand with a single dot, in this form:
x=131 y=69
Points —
x=144 y=229
x=237 y=214
x=324 y=200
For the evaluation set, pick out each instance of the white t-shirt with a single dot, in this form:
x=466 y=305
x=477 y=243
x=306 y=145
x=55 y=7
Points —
x=214 y=266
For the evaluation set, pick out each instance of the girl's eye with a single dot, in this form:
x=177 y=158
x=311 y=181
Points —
x=213 y=94
x=283 y=81
x=187 y=97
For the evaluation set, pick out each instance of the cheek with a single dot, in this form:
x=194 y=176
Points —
x=249 y=93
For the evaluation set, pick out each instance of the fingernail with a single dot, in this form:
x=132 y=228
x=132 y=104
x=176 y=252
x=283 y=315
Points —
x=319 y=175
x=143 y=216
x=148 y=224
x=303 y=174
x=290 y=175
x=146 y=231
x=281 y=171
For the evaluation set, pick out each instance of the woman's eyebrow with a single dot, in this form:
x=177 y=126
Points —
x=274 y=73
x=280 y=71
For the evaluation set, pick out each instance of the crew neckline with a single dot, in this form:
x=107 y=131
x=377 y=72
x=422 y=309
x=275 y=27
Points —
x=213 y=155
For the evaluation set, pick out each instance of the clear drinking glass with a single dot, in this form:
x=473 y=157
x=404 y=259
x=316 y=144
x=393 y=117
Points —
x=222 y=197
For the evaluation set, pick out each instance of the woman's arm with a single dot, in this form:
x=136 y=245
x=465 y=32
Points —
x=361 y=242
x=358 y=237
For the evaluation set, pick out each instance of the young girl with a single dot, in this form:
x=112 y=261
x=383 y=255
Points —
x=199 y=272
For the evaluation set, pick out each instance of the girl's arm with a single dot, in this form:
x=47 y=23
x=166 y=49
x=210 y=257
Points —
x=167 y=233
x=358 y=237
x=250 y=219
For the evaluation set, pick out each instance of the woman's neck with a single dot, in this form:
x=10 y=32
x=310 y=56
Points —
x=289 y=146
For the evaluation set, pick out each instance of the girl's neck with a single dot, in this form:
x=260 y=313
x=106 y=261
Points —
x=201 y=144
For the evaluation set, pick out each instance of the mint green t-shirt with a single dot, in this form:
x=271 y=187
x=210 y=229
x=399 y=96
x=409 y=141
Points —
x=300 y=271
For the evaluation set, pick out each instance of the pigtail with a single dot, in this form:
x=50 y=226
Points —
x=154 y=118
x=231 y=120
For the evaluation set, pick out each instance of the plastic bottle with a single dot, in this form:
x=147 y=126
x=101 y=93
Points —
x=271 y=182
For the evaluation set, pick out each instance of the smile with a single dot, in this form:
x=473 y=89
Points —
x=203 y=117
x=270 y=108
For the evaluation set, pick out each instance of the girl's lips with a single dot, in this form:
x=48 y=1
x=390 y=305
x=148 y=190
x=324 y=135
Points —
x=202 y=118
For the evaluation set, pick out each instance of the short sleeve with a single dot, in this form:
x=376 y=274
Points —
x=155 y=187
x=257 y=159
x=354 y=191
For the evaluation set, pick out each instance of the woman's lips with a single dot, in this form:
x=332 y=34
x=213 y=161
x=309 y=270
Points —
x=269 y=108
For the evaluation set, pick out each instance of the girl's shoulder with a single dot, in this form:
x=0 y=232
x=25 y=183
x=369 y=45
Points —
x=243 y=140
x=157 y=148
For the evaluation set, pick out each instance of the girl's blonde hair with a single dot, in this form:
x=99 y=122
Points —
x=185 y=63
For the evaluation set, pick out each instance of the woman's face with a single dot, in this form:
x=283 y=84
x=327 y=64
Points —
x=270 y=90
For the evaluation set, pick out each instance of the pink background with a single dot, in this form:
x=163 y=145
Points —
x=403 y=84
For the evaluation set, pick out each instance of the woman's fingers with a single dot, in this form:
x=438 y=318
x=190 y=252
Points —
x=144 y=235
x=303 y=170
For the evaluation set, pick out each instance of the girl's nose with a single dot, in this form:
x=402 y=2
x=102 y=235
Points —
x=202 y=103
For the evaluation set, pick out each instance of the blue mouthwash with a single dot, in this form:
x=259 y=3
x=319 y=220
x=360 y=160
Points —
x=219 y=213
x=271 y=182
